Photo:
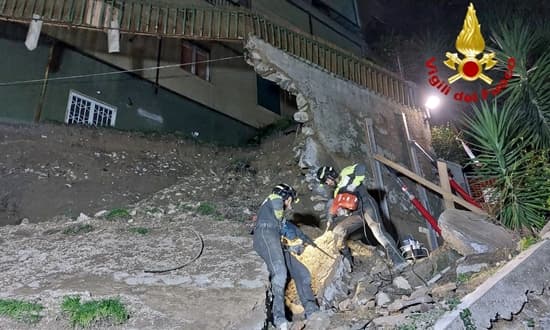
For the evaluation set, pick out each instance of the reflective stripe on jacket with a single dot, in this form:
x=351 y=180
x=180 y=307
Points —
x=351 y=175
x=271 y=213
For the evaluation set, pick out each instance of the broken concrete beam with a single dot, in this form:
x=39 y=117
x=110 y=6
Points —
x=504 y=293
x=443 y=290
x=469 y=233
x=406 y=302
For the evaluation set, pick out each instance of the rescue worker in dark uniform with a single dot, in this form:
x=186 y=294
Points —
x=352 y=180
x=267 y=243
x=293 y=244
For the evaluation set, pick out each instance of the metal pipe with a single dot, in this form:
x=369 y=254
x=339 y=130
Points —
x=159 y=49
x=432 y=238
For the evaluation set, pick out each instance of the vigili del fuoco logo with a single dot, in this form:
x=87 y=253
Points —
x=469 y=65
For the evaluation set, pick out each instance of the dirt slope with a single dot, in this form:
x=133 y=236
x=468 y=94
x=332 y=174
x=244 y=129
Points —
x=50 y=170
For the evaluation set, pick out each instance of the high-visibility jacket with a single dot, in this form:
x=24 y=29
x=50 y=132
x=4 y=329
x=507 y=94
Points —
x=352 y=175
x=271 y=213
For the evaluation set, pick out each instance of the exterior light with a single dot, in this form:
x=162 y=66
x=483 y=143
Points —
x=431 y=103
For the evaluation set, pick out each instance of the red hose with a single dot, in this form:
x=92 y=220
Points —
x=426 y=215
x=463 y=193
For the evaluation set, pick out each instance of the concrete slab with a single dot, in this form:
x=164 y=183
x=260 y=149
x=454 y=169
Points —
x=503 y=294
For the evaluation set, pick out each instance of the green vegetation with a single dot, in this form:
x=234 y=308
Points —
x=78 y=229
x=463 y=278
x=526 y=242
x=139 y=230
x=84 y=314
x=512 y=133
x=466 y=317
x=206 y=208
x=20 y=310
x=407 y=327
x=446 y=145
x=453 y=302
x=118 y=214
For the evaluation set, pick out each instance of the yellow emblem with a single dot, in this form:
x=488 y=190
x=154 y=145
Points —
x=470 y=43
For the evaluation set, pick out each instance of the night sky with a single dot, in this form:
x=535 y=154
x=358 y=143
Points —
x=404 y=34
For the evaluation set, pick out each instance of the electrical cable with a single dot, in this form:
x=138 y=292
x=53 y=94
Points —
x=197 y=256
x=420 y=277
x=21 y=82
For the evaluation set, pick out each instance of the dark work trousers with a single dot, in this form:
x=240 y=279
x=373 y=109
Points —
x=267 y=243
x=302 y=278
x=369 y=212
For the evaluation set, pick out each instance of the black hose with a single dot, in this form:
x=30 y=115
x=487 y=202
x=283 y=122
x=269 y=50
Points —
x=197 y=256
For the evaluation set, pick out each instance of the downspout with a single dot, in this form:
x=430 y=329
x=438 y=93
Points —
x=159 y=50
x=38 y=112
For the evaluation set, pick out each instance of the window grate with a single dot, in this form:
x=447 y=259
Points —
x=84 y=110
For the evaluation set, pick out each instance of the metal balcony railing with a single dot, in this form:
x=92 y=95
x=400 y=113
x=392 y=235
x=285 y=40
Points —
x=213 y=23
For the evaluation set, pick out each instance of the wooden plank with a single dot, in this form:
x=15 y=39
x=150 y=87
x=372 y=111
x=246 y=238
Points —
x=445 y=185
x=415 y=177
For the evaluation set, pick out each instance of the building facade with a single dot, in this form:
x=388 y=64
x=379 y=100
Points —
x=180 y=65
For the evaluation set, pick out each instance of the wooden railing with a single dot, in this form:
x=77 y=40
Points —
x=212 y=23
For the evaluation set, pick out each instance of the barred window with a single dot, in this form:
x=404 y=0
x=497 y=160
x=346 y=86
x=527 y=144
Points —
x=84 y=110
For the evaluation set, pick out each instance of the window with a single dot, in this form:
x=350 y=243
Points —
x=195 y=60
x=268 y=94
x=84 y=110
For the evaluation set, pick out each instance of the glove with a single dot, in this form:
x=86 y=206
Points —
x=296 y=249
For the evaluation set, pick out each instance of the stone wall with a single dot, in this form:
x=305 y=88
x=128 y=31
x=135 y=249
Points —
x=333 y=113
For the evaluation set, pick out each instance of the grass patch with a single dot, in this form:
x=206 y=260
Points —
x=466 y=317
x=463 y=278
x=526 y=242
x=453 y=302
x=20 y=310
x=118 y=214
x=84 y=314
x=78 y=229
x=206 y=209
x=139 y=230
x=209 y=209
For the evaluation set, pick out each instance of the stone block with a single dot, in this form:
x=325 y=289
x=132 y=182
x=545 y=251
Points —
x=469 y=233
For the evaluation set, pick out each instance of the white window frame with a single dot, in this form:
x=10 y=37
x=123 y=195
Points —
x=193 y=66
x=93 y=107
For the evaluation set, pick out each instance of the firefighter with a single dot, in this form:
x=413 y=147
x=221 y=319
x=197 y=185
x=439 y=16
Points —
x=267 y=243
x=352 y=180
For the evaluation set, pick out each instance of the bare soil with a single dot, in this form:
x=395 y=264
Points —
x=48 y=170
